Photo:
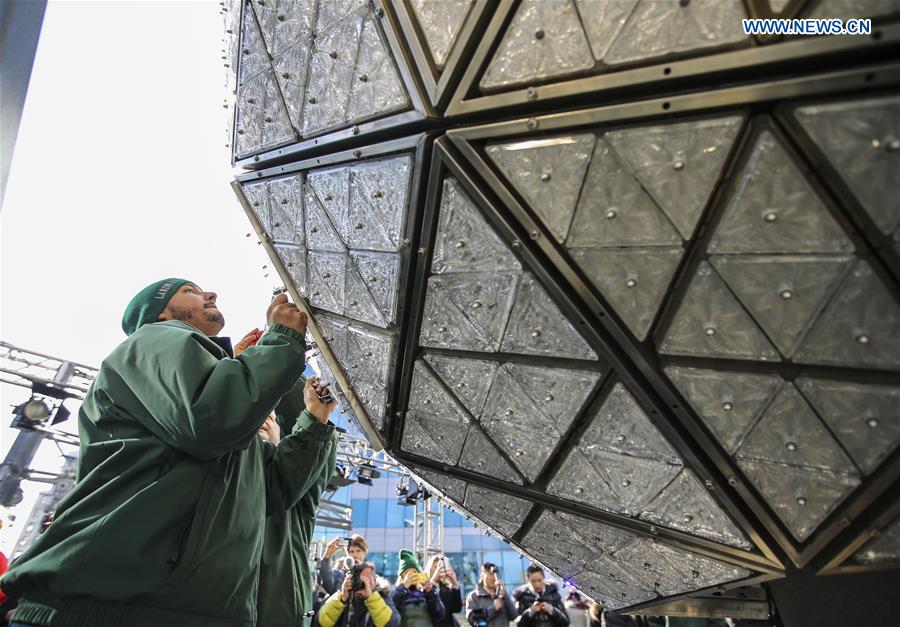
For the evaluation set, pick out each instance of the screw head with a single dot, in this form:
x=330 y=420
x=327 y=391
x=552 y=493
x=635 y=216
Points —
x=791 y=446
x=727 y=405
x=710 y=331
x=536 y=333
x=770 y=217
x=333 y=54
x=611 y=214
x=461 y=244
x=311 y=100
x=862 y=338
x=786 y=294
x=630 y=283
x=678 y=166
x=872 y=423
x=363 y=78
x=801 y=501
x=539 y=33
x=546 y=176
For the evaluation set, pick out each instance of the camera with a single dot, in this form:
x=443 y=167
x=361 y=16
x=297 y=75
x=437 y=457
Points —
x=481 y=618
x=355 y=570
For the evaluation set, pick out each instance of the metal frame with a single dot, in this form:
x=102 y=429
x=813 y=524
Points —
x=439 y=82
x=667 y=75
x=443 y=161
x=468 y=141
x=402 y=122
x=420 y=146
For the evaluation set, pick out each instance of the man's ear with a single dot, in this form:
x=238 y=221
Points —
x=164 y=315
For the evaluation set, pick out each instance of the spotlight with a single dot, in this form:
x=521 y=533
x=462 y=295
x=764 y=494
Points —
x=367 y=471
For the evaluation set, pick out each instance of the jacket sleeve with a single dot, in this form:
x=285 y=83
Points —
x=435 y=605
x=559 y=615
x=471 y=607
x=452 y=599
x=199 y=403
x=331 y=610
x=290 y=407
x=381 y=610
x=294 y=466
x=509 y=607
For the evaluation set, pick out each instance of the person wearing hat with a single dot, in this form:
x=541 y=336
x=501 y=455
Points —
x=165 y=523
x=415 y=595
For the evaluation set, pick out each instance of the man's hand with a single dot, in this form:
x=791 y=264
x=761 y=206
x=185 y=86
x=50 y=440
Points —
x=311 y=390
x=247 y=341
x=333 y=546
x=367 y=590
x=498 y=604
x=545 y=607
x=536 y=607
x=347 y=588
x=270 y=431
x=286 y=313
x=411 y=580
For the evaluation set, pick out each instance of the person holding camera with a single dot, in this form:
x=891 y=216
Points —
x=489 y=605
x=441 y=572
x=416 y=595
x=538 y=602
x=362 y=601
x=332 y=577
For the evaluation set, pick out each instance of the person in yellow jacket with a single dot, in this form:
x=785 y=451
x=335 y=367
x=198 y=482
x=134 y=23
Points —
x=369 y=605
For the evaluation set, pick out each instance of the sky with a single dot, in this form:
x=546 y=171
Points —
x=120 y=177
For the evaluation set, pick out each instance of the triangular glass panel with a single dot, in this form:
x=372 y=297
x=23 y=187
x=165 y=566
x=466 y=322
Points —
x=801 y=497
x=790 y=433
x=291 y=68
x=332 y=11
x=860 y=139
x=548 y=173
x=358 y=301
x=254 y=58
x=659 y=28
x=784 y=294
x=440 y=23
x=465 y=242
x=435 y=412
x=276 y=123
x=257 y=195
x=544 y=40
x=467 y=311
x=326 y=280
x=628 y=484
x=859 y=327
x=367 y=365
x=332 y=189
x=549 y=540
x=864 y=417
x=711 y=323
x=320 y=232
x=774 y=209
x=727 y=402
x=380 y=272
x=479 y=455
x=633 y=280
x=334 y=332
x=502 y=512
x=284 y=23
x=450 y=486
x=883 y=549
x=559 y=393
x=470 y=379
x=614 y=210
x=330 y=75
x=678 y=163
x=537 y=326
x=603 y=21
x=686 y=505
x=294 y=260
x=379 y=198
x=376 y=86
x=286 y=210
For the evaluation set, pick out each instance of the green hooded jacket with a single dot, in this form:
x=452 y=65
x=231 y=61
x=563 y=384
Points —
x=285 y=587
x=165 y=524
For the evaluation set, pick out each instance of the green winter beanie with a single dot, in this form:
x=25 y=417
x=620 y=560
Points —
x=146 y=306
x=408 y=560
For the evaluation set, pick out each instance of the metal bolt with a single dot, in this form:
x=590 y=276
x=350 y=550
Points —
x=268 y=119
x=354 y=130
x=535 y=234
x=872 y=423
x=358 y=225
x=327 y=275
x=333 y=54
x=771 y=217
x=421 y=251
x=476 y=304
x=536 y=333
x=732 y=481
x=710 y=331
x=862 y=338
x=786 y=294
x=532 y=124
x=516 y=243
x=688 y=518
x=548 y=398
x=443 y=329
x=314 y=229
x=626 y=483
x=357 y=153
x=363 y=77
x=328 y=196
x=791 y=446
x=801 y=501
x=407 y=243
x=311 y=100
x=285 y=75
x=546 y=176
x=678 y=165
x=280 y=18
x=611 y=214
x=623 y=438
x=727 y=406
x=539 y=33
x=630 y=283
x=377 y=193
x=579 y=489
x=373 y=279
x=709 y=484
x=531 y=94
x=509 y=411
x=461 y=244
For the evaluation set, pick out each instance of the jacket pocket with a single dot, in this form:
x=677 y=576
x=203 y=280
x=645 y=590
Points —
x=191 y=536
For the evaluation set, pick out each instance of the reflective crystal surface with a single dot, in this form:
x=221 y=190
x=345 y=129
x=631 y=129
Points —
x=537 y=326
x=479 y=455
x=502 y=512
x=291 y=68
x=801 y=497
x=367 y=365
x=470 y=379
x=658 y=28
x=727 y=402
x=440 y=21
x=321 y=233
x=326 y=280
x=376 y=87
x=884 y=548
x=451 y=487
x=864 y=417
x=379 y=197
x=859 y=327
x=633 y=280
x=332 y=190
x=465 y=242
x=548 y=173
x=379 y=275
x=603 y=20
x=710 y=322
x=330 y=75
x=544 y=40
x=784 y=294
x=856 y=137
x=294 y=260
x=686 y=505
x=845 y=9
x=774 y=209
x=678 y=163
x=284 y=22
x=614 y=210
x=286 y=210
x=334 y=332
x=434 y=426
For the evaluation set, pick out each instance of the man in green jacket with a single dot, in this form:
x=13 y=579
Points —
x=165 y=524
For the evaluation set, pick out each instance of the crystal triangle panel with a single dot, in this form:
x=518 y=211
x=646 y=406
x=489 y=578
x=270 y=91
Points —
x=286 y=210
x=711 y=323
x=774 y=209
x=633 y=280
x=379 y=197
x=470 y=379
x=291 y=68
x=294 y=260
x=359 y=302
x=440 y=22
x=859 y=327
x=327 y=281
x=434 y=425
x=548 y=173
x=502 y=512
x=376 y=85
x=678 y=163
x=368 y=368
x=603 y=21
x=544 y=40
x=864 y=417
x=332 y=190
x=254 y=58
x=332 y=11
x=883 y=549
x=380 y=274
x=331 y=74
x=479 y=455
x=284 y=23
x=860 y=139
x=784 y=294
x=727 y=402
x=320 y=232
x=559 y=393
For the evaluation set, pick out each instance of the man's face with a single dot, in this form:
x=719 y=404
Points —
x=490 y=578
x=537 y=582
x=356 y=553
x=198 y=308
